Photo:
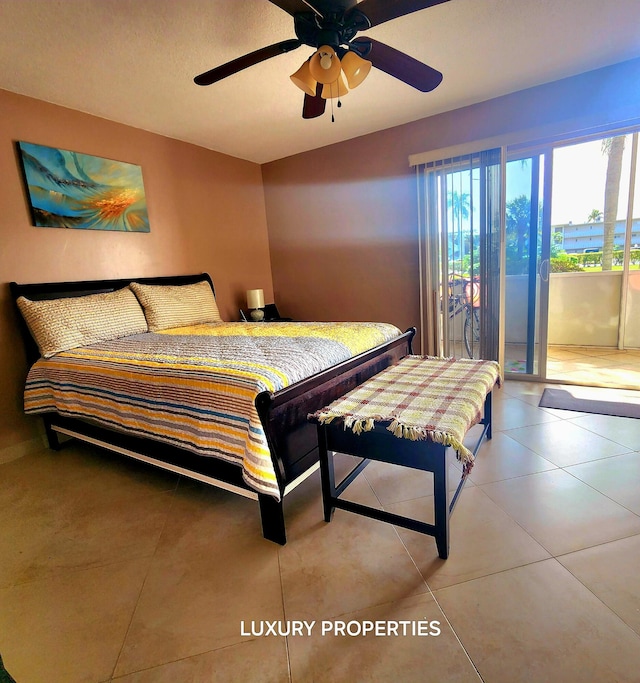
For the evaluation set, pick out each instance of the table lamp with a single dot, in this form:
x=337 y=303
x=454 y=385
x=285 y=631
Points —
x=255 y=301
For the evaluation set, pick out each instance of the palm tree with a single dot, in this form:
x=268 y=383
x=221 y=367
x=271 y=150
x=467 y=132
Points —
x=594 y=216
x=458 y=202
x=518 y=219
x=614 y=149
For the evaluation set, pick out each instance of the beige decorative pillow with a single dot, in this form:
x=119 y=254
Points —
x=62 y=324
x=168 y=306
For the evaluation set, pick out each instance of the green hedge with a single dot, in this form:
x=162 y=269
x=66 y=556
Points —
x=573 y=263
x=595 y=258
x=566 y=263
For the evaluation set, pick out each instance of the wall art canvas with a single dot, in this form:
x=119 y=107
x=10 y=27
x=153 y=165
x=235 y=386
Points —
x=72 y=190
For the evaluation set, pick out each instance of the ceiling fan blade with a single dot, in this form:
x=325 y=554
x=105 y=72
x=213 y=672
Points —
x=232 y=67
x=379 y=11
x=320 y=7
x=399 y=65
x=314 y=106
x=292 y=6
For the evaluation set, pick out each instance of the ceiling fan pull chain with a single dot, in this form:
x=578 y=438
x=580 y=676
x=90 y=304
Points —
x=333 y=120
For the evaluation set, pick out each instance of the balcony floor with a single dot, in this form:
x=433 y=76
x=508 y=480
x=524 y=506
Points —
x=587 y=365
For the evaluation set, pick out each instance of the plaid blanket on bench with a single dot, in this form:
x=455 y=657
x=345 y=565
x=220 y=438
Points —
x=421 y=398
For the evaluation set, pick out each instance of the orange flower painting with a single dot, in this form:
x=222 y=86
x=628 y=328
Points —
x=72 y=190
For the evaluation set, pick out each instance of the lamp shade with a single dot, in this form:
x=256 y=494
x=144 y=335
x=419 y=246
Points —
x=324 y=65
x=255 y=298
x=355 y=69
x=304 y=80
x=336 y=88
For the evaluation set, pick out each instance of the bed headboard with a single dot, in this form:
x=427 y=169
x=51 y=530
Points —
x=58 y=290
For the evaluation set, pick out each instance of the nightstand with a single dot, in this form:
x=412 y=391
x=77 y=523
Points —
x=271 y=315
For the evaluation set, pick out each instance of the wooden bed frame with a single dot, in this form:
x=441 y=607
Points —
x=292 y=439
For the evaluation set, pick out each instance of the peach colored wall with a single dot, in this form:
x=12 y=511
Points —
x=343 y=219
x=206 y=212
x=342 y=233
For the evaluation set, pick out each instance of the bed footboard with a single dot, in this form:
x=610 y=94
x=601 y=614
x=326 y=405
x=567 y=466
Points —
x=292 y=439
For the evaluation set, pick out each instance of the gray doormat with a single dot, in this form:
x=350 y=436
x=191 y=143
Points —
x=618 y=402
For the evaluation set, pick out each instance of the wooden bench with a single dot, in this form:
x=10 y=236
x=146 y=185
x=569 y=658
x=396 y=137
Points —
x=408 y=415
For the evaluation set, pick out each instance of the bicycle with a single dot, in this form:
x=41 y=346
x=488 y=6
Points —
x=464 y=297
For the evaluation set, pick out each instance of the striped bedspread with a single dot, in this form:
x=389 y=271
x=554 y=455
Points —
x=195 y=387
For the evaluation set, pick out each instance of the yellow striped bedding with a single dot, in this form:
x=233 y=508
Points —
x=195 y=387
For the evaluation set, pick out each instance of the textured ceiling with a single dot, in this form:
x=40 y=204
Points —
x=133 y=61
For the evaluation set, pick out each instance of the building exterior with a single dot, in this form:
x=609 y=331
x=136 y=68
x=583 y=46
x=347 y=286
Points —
x=578 y=238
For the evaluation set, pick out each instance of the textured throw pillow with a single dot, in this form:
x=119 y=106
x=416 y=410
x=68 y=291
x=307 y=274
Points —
x=168 y=306
x=62 y=324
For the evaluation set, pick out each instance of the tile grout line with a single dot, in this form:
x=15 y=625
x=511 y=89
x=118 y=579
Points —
x=151 y=558
x=457 y=637
x=597 y=597
x=586 y=483
x=554 y=555
x=284 y=614
x=435 y=599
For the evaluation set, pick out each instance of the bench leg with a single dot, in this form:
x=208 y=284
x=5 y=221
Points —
x=441 y=505
x=327 y=474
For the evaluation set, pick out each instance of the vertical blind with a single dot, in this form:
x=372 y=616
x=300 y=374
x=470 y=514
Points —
x=460 y=232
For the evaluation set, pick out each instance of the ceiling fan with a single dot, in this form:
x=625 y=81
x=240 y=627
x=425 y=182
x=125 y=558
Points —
x=330 y=26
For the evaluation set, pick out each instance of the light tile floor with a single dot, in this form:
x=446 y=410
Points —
x=112 y=571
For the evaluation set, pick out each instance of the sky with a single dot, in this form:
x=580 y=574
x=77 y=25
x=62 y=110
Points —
x=579 y=173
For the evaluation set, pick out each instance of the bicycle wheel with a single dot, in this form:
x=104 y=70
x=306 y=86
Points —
x=471 y=331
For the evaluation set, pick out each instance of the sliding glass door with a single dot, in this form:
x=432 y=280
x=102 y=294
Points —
x=527 y=251
x=571 y=242
x=595 y=281
x=530 y=255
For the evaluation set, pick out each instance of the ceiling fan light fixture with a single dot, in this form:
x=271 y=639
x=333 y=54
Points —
x=304 y=80
x=355 y=68
x=336 y=88
x=324 y=65
x=342 y=59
